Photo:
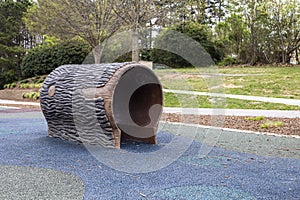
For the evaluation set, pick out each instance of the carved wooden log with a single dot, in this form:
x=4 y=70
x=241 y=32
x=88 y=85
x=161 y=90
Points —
x=102 y=104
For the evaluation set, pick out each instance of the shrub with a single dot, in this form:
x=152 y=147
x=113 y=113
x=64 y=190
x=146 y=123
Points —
x=31 y=95
x=7 y=77
x=30 y=85
x=24 y=86
x=38 y=85
x=269 y=124
x=24 y=81
x=45 y=58
x=10 y=86
x=259 y=118
x=13 y=85
x=197 y=32
x=36 y=79
x=228 y=61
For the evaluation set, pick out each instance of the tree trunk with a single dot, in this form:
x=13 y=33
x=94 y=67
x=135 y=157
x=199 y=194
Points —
x=20 y=73
x=297 y=56
x=135 y=46
x=283 y=57
x=254 y=48
x=97 y=52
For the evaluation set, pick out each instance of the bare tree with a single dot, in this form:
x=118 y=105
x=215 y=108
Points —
x=92 y=20
x=136 y=14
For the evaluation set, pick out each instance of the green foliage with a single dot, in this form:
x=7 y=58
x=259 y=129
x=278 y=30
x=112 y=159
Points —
x=261 y=31
x=24 y=81
x=259 y=118
x=31 y=95
x=193 y=30
x=7 y=76
x=51 y=40
x=269 y=124
x=12 y=36
x=234 y=36
x=228 y=61
x=45 y=58
x=93 y=21
x=30 y=85
x=265 y=126
x=10 y=86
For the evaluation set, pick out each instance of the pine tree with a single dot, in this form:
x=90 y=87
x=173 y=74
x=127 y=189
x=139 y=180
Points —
x=12 y=34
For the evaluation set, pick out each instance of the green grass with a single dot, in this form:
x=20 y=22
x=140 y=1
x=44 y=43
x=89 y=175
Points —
x=269 y=124
x=193 y=101
x=265 y=81
x=259 y=118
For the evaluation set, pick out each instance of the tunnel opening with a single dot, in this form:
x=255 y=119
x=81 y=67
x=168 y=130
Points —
x=142 y=101
x=137 y=105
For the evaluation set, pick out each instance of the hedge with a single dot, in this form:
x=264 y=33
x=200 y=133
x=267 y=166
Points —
x=193 y=30
x=45 y=58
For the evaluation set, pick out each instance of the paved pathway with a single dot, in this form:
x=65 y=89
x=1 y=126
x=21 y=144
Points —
x=10 y=102
x=7 y=107
x=293 y=102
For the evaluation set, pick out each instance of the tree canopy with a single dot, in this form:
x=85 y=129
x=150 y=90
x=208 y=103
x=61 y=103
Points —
x=12 y=39
x=241 y=31
x=94 y=21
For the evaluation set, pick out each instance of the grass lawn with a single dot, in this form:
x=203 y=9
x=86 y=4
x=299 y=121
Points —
x=281 y=82
x=192 y=101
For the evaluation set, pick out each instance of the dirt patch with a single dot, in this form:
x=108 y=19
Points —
x=15 y=94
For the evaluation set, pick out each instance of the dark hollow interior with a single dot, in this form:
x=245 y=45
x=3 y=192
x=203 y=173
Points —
x=141 y=102
x=137 y=103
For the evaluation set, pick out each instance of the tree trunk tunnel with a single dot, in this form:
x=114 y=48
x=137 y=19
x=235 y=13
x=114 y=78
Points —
x=102 y=104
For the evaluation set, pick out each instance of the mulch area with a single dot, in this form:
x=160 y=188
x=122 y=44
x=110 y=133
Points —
x=291 y=126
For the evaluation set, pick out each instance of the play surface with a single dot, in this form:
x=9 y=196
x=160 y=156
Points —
x=35 y=166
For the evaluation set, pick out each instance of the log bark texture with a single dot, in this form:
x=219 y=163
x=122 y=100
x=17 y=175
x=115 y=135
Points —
x=101 y=104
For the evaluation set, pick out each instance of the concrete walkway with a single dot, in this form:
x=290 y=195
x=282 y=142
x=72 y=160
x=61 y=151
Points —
x=293 y=102
x=7 y=107
x=10 y=102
